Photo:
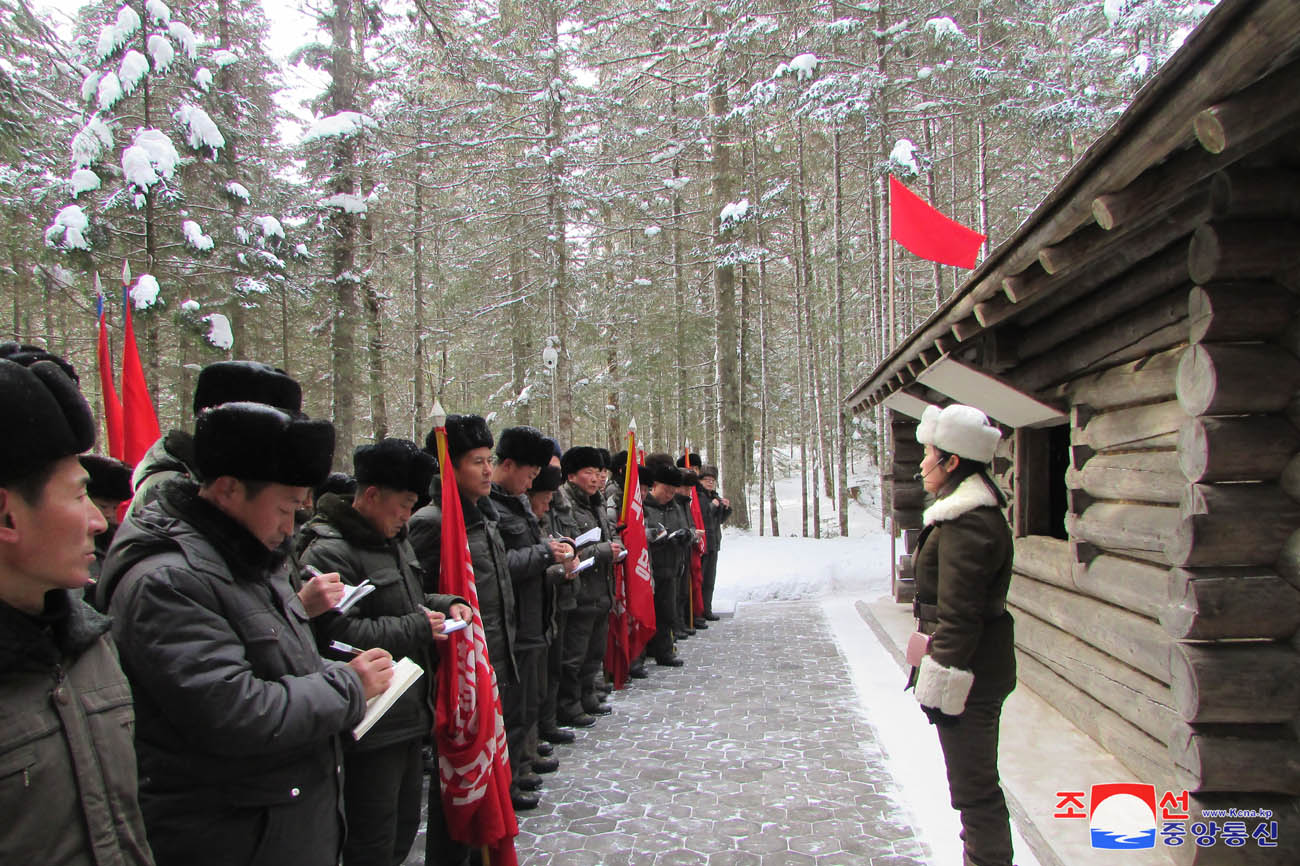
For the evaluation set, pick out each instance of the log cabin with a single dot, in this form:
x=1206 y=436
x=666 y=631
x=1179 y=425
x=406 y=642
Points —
x=1138 y=341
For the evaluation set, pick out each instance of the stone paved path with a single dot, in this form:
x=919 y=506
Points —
x=754 y=754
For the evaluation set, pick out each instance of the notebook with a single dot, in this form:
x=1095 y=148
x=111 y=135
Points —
x=405 y=673
x=354 y=594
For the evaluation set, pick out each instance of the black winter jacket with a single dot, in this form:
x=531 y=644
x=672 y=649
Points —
x=715 y=514
x=496 y=597
x=573 y=512
x=528 y=557
x=234 y=705
x=339 y=539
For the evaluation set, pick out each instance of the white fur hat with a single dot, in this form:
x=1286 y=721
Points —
x=925 y=430
x=964 y=431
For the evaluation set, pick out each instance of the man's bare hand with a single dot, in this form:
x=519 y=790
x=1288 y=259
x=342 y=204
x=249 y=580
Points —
x=615 y=549
x=462 y=612
x=375 y=667
x=321 y=593
x=559 y=550
x=436 y=620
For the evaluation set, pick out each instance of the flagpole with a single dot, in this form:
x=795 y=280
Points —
x=889 y=335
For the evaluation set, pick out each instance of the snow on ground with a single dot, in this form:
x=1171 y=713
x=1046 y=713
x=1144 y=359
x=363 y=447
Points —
x=751 y=568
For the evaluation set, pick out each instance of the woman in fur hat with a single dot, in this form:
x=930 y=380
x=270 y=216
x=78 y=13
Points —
x=963 y=571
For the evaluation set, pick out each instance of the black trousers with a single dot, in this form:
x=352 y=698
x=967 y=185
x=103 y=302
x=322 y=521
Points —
x=515 y=700
x=439 y=848
x=661 y=645
x=381 y=799
x=684 y=619
x=970 y=752
x=554 y=672
x=710 y=564
x=586 y=629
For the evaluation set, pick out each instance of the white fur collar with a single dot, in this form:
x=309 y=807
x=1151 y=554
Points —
x=972 y=493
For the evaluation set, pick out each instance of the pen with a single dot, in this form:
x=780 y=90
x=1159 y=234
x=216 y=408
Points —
x=312 y=570
x=340 y=646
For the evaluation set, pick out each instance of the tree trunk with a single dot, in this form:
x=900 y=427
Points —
x=841 y=414
x=730 y=424
x=343 y=231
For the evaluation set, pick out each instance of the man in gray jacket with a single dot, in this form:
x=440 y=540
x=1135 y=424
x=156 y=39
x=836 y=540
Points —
x=577 y=509
x=237 y=716
x=68 y=788
x=363 y=538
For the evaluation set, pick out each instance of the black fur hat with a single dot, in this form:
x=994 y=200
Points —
x=605 y=456
x=246 y=382
x=109 y=479
x=645 y=475
x=397 y=464
x=45 y=417
x=336 y=482
x=659 y=458
x=257 y=442
x=21 y=353
x=548 y=479
x=464 y=434
x=709 y=472
x=693 y=462
x=556 y=451
x=666 y=473
x=524 y=445
x=690 y=478
x=580 y=457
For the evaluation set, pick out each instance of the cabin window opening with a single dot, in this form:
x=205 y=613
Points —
x=1041 y=498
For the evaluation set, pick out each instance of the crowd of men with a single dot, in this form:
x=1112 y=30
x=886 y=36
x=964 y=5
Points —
x=181 y=688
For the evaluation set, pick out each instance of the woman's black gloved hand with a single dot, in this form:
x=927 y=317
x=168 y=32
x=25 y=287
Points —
x=939 y=717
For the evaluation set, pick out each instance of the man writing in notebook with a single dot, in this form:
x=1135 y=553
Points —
x=363 y=537
x=237 y=716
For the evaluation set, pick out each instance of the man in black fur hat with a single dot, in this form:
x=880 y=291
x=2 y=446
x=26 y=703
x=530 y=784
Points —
x=666 y=556
x=521 y=454
x=222 y=382
x=109 y=486
x=70 y=795
x=238 y=718
x=363 y=537
x=469 y=447
x=716 y=509
x=577 y=509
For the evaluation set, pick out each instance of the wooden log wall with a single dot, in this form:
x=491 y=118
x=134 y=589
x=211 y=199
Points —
x=1167 y=627
x=905 y=498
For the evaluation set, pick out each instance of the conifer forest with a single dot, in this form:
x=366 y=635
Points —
x=566 y=213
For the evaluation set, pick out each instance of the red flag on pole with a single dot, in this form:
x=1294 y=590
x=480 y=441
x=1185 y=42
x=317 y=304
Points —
x=473 y=762
x=139 y=420
x=617 y=660
x=927 y=232
x=640 y=576
x=697 y=555
x=112 y=405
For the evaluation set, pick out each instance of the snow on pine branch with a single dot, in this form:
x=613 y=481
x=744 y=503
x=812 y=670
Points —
x=150 y=158
x=903 y=157
x=269 y=226
x=203 y=78
x=239 y=191
x=184 y=37
x=88 y=144
x=804 y=66
x=219 y=333
x=734 y=212
x=68 y=231
x=341 y=125
x=944 y=28
x=83 y=180
x=161 y=52
x=195 y=237
x=157 y=11
x=345 y=202
x=144 y=294
x=131 y=72
x=115 y=35
x=201 y=132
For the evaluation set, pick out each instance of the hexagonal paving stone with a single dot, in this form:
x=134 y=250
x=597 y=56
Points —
x=816 y=844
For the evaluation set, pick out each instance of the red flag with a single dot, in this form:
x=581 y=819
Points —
x=112 y=406
x=473 y=761
x=617 y=660
x=639 y=586
x=927 y=232
x=697 y=555
x=139 y=420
